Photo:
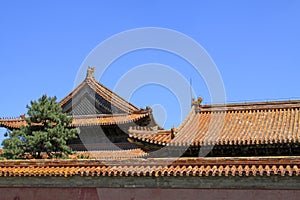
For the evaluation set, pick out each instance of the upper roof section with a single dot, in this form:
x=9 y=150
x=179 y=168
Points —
x=231 y=124
x=91 y=97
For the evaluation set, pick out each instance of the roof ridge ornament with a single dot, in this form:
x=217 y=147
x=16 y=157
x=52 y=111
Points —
x=173 y=131
x=197 y=102
x=90 y=73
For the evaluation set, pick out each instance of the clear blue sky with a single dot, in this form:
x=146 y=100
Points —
x=255 y=45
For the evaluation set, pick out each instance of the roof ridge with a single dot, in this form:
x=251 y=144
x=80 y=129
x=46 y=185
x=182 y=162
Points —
x=188 y=118
x=256 y=103
x=107 y=93
x=11 y=119
x=71 y=94
x=101 y=90
x=250 y=106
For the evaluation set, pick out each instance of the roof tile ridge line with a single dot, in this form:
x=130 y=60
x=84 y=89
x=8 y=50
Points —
x=256 y=103
x=261 y=105
x=92 y=96
x=155 y=129
x=71 y=94
x=95 y=87
x=239 y=108
x=142 y=130
x=11 y=119
x=154 y=121
x=120 y=101
x=185 y=123
x=104 y=115
x=119 y=98
x=188 y=119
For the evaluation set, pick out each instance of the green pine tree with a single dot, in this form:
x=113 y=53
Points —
x=47 y=131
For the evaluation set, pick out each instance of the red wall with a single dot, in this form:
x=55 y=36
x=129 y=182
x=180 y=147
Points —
x=143 y=193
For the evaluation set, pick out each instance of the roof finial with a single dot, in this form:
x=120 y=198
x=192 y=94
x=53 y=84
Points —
x=197 y=102
x=90 y=72
x=173 y=132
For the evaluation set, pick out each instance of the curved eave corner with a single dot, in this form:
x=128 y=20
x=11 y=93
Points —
x=159 y=136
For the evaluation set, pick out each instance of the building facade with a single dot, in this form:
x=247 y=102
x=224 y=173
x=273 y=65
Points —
x=232 y=151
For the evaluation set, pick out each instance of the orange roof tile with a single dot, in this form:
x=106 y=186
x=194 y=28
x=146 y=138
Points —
x=283 y=166
x=244 y=123
x=146 y=134
x=91 y=120
x=107 y=119
x=12 y=123
x=111 y=154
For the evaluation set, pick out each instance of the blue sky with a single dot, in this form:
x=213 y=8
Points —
x=254 y=44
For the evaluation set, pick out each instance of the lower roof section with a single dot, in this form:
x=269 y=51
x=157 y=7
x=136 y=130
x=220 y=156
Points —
x=155 y=167
x=262 y=173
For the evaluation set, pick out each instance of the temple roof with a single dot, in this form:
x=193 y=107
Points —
x=231 y=124
x=100 y=95
x=197 y=167
x=94 y=104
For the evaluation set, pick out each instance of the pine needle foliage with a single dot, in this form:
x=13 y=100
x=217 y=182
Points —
x=47 y=132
